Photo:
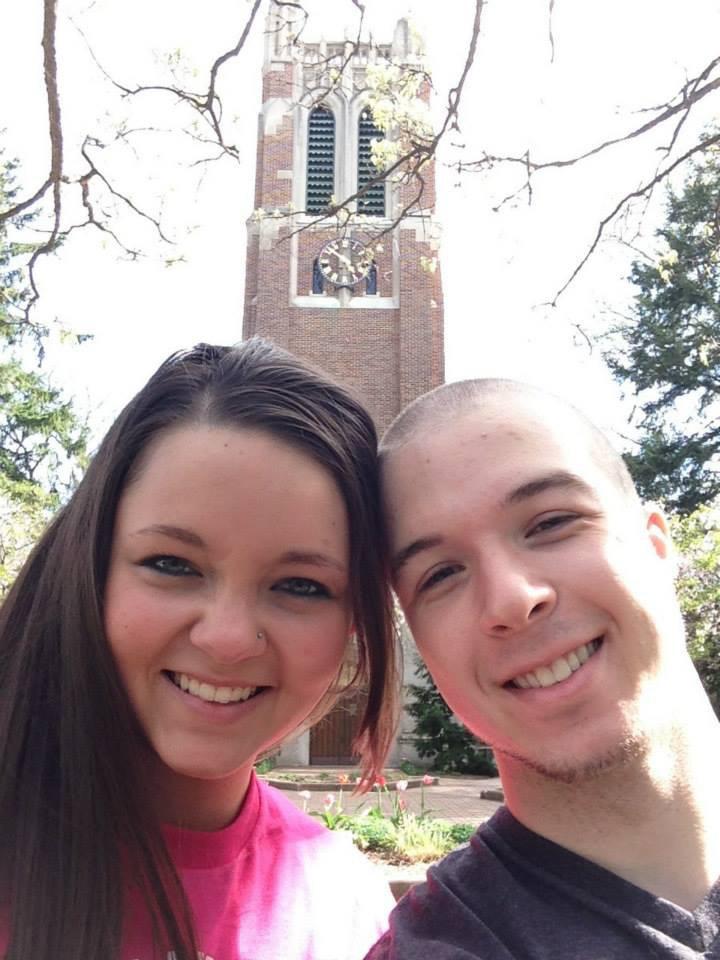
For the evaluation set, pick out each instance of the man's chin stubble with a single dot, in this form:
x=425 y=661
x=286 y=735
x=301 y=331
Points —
x=621 y=756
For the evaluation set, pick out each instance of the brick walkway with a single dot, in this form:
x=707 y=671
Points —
x=453 y=798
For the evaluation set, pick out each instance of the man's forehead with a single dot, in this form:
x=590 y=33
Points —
x=516 y=424
x=489 y=458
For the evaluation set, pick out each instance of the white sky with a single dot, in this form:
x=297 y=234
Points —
x=611 y=58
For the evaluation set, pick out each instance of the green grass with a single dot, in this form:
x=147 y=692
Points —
x=407 y=838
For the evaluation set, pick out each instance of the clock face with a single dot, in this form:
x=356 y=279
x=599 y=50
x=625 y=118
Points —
x=344 y=262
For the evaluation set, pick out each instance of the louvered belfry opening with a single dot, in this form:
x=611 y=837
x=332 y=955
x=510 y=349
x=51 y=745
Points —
x=372 y=203
x=321 y=160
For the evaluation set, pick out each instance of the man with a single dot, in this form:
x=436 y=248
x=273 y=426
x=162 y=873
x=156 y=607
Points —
x=540 y=592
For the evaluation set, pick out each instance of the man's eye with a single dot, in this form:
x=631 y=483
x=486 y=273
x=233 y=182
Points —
x=170 y=566
x=437 y=576
x=302 y=587
x=552 y=523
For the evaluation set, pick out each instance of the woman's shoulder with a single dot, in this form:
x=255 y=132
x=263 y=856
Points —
x=284 y=824
x=279 y=813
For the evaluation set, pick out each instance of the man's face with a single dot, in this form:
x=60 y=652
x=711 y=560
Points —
x=538 y=593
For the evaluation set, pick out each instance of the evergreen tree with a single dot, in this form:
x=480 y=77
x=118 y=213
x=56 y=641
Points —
x=42 y=441
x=439 y=736
x=669 y=350
x=13 y=291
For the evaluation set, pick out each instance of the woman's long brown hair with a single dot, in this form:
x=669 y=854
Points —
x=77 y=825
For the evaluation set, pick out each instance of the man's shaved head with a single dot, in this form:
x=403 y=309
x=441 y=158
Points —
x=446 y=403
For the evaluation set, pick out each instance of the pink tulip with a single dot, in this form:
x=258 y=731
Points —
x=427 y=779
x=401 y=785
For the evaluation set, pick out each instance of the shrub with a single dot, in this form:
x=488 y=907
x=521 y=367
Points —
x=419 y=839
x=460 y=833
x=447 y=743
x=266 y=764
x=371 y=832
x=697 y=540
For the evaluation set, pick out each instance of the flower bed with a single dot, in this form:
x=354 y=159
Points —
x=398 y=837
x=337 y=781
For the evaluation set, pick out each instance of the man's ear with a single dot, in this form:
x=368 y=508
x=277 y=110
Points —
x=658 y=531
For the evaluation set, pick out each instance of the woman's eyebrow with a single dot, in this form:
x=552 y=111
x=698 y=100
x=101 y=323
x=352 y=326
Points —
x=176 y=533
x=412 y=549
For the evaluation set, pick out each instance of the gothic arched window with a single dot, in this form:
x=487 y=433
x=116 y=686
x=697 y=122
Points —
x=372 y=203
x=318 y=281
x=320 y=160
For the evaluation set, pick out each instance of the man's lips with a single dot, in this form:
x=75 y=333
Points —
x=547 y=675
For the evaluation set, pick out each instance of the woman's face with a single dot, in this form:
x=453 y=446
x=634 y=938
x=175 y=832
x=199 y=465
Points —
x=227 y=604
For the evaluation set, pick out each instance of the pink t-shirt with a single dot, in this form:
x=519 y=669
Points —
x=274 y=885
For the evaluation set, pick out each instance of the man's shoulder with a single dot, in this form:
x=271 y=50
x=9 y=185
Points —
x=515 y=895
x=445 y=917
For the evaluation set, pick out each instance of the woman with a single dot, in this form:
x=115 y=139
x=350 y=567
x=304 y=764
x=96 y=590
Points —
x=192 y=605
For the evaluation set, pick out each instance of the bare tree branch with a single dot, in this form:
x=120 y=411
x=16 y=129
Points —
x=54 y=113
x=551 y=36
x=214 y=70
x=690 y=94
x=641 y=191
x=19 y=208
x=56 y=144
x=94 y=171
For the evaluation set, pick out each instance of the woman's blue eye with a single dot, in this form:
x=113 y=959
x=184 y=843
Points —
x=169 y=565
x=302 y=587
x=437 y=576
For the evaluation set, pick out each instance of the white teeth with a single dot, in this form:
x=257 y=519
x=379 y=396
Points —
x=209 y=693
x=559 y=669
x=545 y=676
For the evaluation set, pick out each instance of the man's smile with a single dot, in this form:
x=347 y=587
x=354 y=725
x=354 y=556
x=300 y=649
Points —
x=560 y=669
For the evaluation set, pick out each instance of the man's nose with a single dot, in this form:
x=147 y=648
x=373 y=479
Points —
x=512 y=596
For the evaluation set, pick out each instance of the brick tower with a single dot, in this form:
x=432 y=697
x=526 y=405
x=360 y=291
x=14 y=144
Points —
x=365 y=310
x=353 y=296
